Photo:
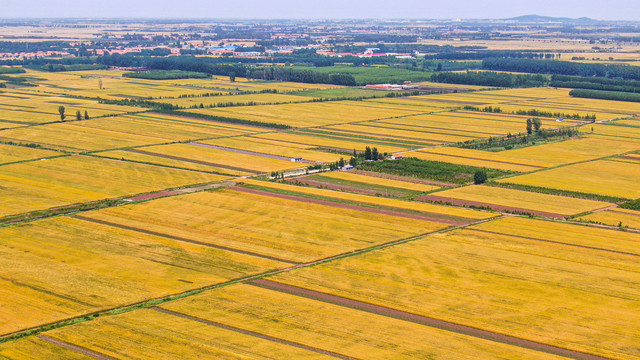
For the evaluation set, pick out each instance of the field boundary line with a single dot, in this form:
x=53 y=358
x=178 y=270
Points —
x=178 y=238
x=76 y=348
x=347 y=206
x=254 y=334
x=556 y=242
x=421 y=319
x=159 y=300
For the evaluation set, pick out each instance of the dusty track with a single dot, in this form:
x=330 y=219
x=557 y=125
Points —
x=178 y=158
x=248 y=152
x=423 y=320
x=460 y=202
x=173 y=237
x=76 y=348
x=489 y=160
x=334 y=186
x=254 y=334
x=556 y=242
x=402 y=178
x=353 y=207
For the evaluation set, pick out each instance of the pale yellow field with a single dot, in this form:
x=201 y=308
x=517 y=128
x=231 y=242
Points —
x=159 y=160
x=12 y=153
x=621 y=133
x=392 y=132
x=312 y=141
x=424 y=104
x=308 y=114
x=338 y=329
x=503 y=283
x=456 y=159
x=63 y=267
x=408 y=205
x=39 y=185
x=602 y=177
x=615 y=217
x=243 y=84
x=30 y=107
x=224 y=159
x=166 y=128
x=261 y=224
x=283 y=149
x=236 y=99
x=105 y=85
x=149 y=334
x=559 y=109
x=532 y=157
x=344 y=175
x=523 y=199
x=32 y=348
x=76 y=138
x=594 y=105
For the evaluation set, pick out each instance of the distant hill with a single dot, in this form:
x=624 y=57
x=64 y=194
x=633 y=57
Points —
x=548 y=19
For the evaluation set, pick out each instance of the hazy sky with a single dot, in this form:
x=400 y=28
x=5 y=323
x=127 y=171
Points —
x=424 y=9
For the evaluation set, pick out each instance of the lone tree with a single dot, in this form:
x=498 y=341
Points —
x=367 y=153
x=232 y=77
x=86 y=115
x=374 y=154
x=480 y=177
x=537 y=124
x=78 y=115
x=61 y=111
x=529 y=126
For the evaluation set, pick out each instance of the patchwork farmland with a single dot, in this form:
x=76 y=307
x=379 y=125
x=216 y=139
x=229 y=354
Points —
x=214 y=218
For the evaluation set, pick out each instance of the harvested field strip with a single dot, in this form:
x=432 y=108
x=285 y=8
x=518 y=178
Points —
x=383 y=136
x=76 y=348
x=420 y=130
x=533 y=201
x=477 y=158
x=362 y=138
x=258 y=335
x=149 y=232
x=374 y=181
x=248 y=152
x=553 y=242
x=351 y=188
x=352 y=207
x=461 y=202
x=427 y=127
x=402 y=178
x=192 y=161
x=445 y=211
x=423 y=320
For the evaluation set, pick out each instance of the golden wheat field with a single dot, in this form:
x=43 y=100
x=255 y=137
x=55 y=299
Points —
x=42 y=184
x=502 y=282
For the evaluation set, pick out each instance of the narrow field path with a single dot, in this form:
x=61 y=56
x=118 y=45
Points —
x=76 y=348
x=352 y=207
x=193 y=161
x=178 y=238
x=460 y=202
x=254 y=334
x=422 y=320
x=556 y=242
x=254 y=153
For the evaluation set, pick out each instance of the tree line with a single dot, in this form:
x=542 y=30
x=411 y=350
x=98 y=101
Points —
x=562 y=68
x=490 y=78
